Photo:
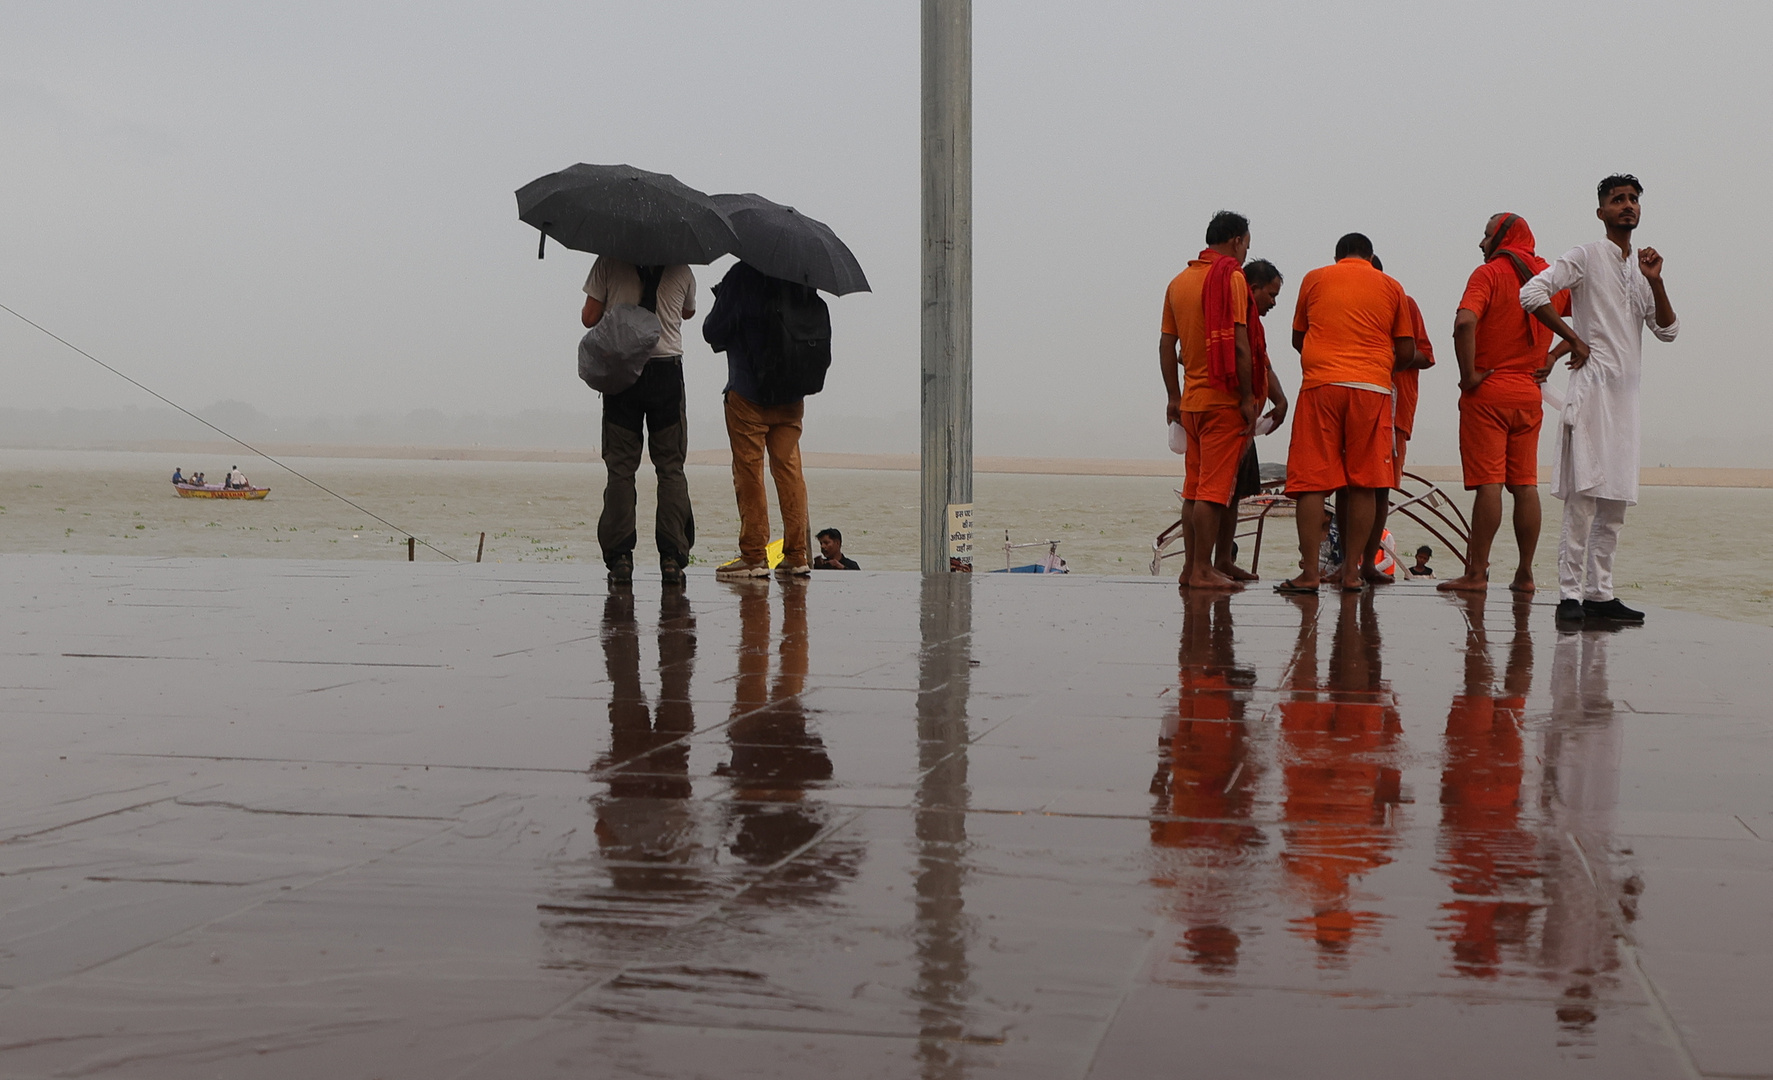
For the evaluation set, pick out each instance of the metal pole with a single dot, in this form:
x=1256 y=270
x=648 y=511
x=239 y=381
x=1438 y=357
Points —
x=947 y=387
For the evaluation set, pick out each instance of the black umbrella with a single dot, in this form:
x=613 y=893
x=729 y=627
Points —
x=785 y=243
x=646 y=218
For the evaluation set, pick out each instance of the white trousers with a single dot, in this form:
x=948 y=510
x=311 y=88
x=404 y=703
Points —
x=1585 y=549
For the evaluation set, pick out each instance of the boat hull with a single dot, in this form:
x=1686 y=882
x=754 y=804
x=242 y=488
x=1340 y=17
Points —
x=192 y=491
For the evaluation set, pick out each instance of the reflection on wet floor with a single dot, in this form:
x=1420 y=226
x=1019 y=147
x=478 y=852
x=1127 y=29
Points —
x=1531 y=893
x=880 y=825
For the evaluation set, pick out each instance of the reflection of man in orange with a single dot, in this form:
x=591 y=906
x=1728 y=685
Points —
x=774 y=757
x=1340 y=786
x=1206 y=784
x=1486 y=855
x=1206 y=315
x=1352 y=328
x=1504 y=354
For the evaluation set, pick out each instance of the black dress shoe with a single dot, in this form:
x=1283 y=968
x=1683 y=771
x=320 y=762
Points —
x=1570 y=611
x=1611 y=610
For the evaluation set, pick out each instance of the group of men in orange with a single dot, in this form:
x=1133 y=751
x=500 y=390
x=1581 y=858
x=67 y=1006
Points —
x=1362 y=343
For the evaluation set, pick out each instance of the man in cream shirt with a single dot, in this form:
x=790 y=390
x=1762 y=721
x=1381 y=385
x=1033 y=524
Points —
x=655 y=405
x=1613 y=296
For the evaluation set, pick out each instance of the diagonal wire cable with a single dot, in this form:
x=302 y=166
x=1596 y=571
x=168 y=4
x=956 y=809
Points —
x=232 y=438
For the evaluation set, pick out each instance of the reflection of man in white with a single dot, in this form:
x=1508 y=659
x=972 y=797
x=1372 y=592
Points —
x=1613 y=297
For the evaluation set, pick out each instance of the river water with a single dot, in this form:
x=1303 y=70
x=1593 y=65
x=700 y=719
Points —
x=1699 y=549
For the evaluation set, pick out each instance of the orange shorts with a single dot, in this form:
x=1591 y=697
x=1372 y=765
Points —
x=1341 y=438
x=1216 y=443
x=1499 y=434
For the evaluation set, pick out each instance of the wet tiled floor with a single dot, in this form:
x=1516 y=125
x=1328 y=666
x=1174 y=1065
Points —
x=286 y=819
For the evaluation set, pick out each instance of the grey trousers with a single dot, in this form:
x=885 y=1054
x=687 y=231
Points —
x=654 y=406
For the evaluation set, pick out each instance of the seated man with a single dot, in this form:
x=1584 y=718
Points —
x=1422 y=569
x=178 y=475
x=831 y=555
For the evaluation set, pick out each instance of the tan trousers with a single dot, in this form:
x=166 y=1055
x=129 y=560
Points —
x=753 y=429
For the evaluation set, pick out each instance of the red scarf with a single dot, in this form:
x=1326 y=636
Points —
x=1514 y=242
x=1258 y=356
x=1221 y=321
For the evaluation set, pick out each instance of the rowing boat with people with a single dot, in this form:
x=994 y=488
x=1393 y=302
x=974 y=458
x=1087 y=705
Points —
x=217 y=491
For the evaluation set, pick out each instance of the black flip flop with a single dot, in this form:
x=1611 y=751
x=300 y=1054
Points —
x=1288 y=588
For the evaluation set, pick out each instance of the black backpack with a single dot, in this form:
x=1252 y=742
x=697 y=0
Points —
x=796 y=343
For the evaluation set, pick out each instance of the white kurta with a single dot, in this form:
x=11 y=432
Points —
x=1611 y=303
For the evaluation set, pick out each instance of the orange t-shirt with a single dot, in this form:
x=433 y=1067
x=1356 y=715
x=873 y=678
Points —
x=1349 y=313
x=1185 y=316
x=1508 y=339
x=1405 y=381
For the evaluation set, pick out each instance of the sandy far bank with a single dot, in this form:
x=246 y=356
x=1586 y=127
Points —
x=1171 y=467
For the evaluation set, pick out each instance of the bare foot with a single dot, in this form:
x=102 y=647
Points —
x=1237 y=573
x=1211 y=579
x=1466 y=583
x=1353 y=585
x=1522 y=583
x=1374 y=577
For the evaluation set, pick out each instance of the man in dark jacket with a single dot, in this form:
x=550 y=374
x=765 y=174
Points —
x=757 y=423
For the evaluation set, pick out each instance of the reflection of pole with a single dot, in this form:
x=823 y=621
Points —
x=947 y=387
x=943 y=670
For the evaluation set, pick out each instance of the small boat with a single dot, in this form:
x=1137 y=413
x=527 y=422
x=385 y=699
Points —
x=217 y=491
x=1049 y=563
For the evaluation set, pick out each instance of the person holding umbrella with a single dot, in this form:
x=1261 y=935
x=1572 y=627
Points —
x=655 y=402
x=776 y=333
x=645 y=228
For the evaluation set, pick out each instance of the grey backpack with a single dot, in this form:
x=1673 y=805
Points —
x=612 y=353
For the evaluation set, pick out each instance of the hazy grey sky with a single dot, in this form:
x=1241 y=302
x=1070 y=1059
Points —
x=308 y=207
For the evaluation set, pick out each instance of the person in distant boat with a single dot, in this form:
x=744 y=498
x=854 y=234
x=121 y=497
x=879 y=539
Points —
x=1204 y=358
x=1421 y=567
x=1614 y=296
x=178 y=476
x=831 y=555
x=1504 y=354
x=1352 y=329
x=1264 y=280
x=236 y=479
x=197 y=478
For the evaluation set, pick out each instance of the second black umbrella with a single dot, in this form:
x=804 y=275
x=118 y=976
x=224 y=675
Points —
x=784 y=243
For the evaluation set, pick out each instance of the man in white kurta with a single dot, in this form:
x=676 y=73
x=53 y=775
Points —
x=1614 y=294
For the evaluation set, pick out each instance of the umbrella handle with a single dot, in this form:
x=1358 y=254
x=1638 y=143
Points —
x=542 y=238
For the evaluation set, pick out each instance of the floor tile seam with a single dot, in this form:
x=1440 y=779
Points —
x=243 y=808
x=785 y=1029
x=1671 y=1030
x=200 y=927
x=1129 y=986
x=1381 y=993
x=345 y=762
x=1627 y=944
x=96 y=817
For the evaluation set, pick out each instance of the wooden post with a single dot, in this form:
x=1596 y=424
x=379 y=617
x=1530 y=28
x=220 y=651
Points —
x=481 y=550
x=412 y=548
